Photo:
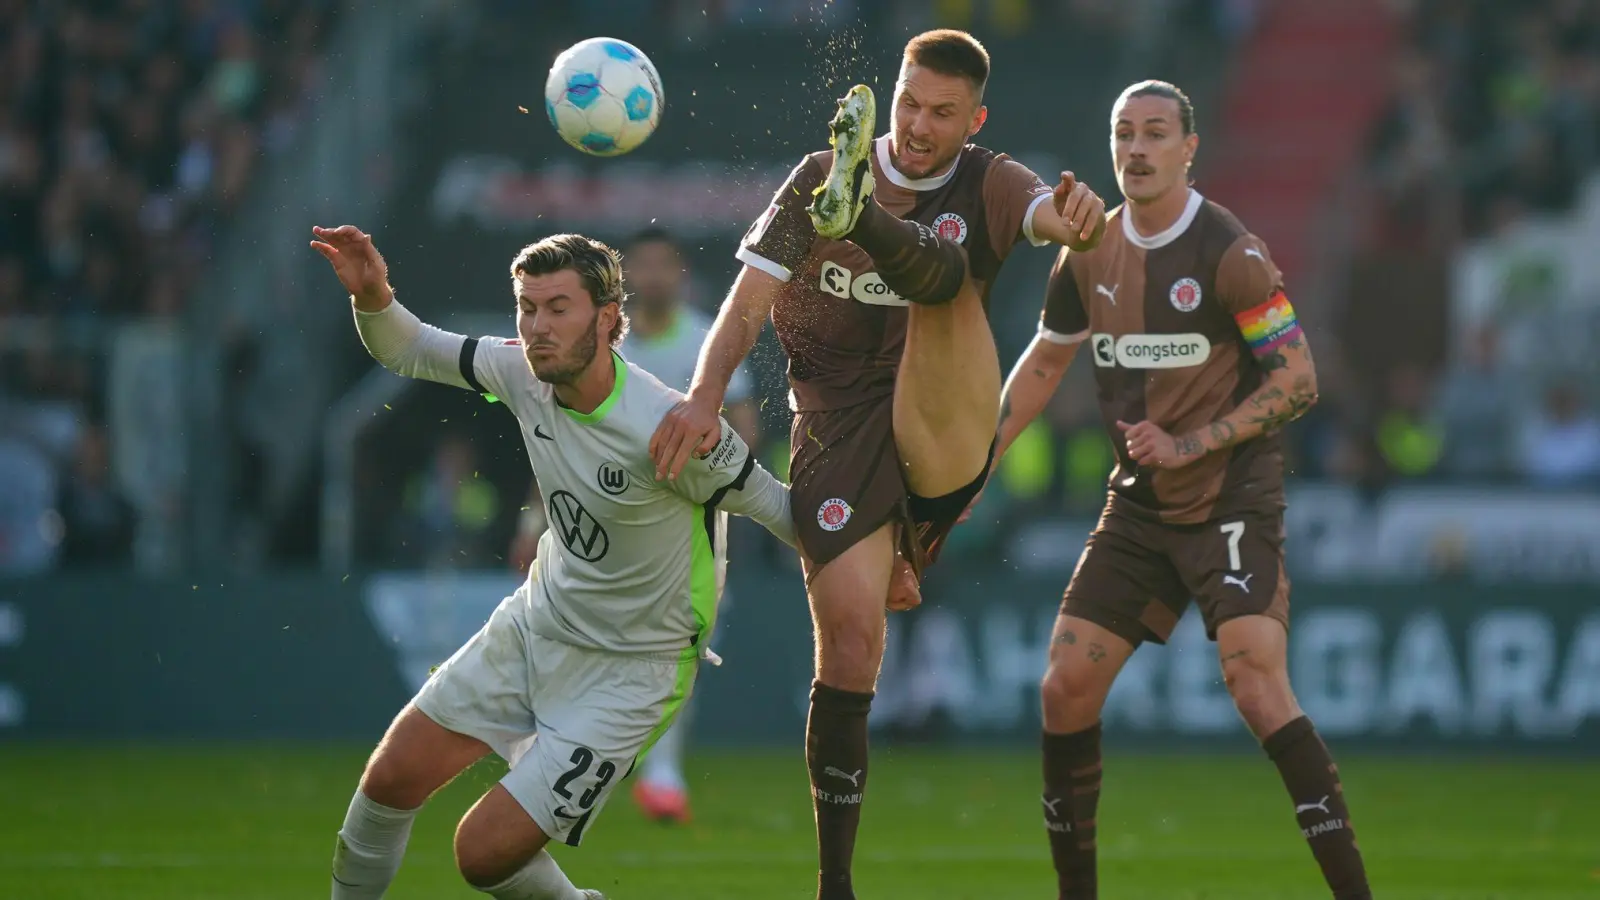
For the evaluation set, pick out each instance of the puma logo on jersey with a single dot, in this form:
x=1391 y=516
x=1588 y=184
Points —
x=1051 y=804
x=853 y=777
x=1308 y=807
x=1110 y=294
x=1242 y=584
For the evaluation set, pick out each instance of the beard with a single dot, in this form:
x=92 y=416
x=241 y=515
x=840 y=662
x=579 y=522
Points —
x=938 y=163
x=567 y=368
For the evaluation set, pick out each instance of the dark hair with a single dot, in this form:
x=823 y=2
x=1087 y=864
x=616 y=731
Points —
x=950 y=52
x=652 y=234
x=1153 y=88
x=599 y=270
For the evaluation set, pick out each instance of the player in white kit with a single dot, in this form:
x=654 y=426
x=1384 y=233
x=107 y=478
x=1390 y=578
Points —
x=664 y=338
x=585 y=665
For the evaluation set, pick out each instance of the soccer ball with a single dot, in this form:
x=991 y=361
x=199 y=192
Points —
x=603 y=96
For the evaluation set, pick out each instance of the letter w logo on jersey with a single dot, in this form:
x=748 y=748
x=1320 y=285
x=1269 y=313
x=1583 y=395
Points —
x=579 y=531
x=1150 y=351
x=867 y=287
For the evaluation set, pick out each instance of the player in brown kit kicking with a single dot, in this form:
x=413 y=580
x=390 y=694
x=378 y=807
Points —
x=874 y=262
x=1199 y=362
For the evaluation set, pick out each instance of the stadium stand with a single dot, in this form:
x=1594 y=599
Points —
x=1441 y=259
x=129 y=132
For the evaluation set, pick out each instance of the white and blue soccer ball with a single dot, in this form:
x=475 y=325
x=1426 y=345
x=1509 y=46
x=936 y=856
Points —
x=603 y=96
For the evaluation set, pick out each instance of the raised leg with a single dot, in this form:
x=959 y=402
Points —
x=947 y=396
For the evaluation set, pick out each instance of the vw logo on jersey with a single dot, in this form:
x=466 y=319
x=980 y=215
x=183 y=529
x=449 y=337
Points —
x=580 y=532
x=613 y=479
x=1185 y=294
x=951 y=227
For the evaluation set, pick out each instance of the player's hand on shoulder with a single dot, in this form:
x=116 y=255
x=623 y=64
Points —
x=357 y=264
x=692 y=427
x=904 y=591
x=1082 y=210
x=1150 y=445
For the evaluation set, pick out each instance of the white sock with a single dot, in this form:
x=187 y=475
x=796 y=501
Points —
x=664 y=764
x=540 y=879
x=371 y=845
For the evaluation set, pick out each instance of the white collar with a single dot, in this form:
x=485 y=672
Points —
x=896 y=177
x=1157 y=241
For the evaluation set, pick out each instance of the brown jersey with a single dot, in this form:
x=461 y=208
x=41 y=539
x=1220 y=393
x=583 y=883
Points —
x=841 y=326
x=1162 y=317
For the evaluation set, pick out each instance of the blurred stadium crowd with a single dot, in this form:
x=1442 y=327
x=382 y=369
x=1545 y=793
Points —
x=129 y=131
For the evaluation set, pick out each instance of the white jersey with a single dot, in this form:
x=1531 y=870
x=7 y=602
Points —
x=628 y=564
x=672 y=354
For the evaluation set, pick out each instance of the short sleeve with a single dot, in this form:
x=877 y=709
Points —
x=491 y=365
x=779 y=241
x=705 y=479
x=1250 y=288
x=1065 y=320
x=1246 y=275
x=1011 y=193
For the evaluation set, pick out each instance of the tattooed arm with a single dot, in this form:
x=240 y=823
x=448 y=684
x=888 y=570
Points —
x=1290 y=389
x=1033 y=381
x=1251 y=290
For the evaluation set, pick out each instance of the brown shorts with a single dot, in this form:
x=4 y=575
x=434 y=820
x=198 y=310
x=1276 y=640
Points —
x=1136 y=576
x=846 y=482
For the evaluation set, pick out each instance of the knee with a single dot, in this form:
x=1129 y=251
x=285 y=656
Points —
x=1072 y=701
x=848 y=653
x=1260 y=690
x=479 y=858
x=388 y=781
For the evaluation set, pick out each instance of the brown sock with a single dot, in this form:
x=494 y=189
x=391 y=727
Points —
x=836 y=753
x=1071 y=795
x=912 y=260
x=1313 y=782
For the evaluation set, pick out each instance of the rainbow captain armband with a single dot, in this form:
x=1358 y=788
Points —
x=1270 y=325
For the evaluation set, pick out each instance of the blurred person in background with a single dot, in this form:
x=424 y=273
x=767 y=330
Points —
x=664 y=338
x=1475 y=408
x=1559 y=447
x=449 y=509
x=97 y=520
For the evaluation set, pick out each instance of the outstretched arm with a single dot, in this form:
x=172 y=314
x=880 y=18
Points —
x=759 y=496
x=730 y=478
x=734 y=333
x=1075 y=218
x=395 y=337
x=692 y=426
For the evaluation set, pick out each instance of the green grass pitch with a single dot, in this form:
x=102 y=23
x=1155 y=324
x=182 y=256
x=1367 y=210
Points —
x=238 y=822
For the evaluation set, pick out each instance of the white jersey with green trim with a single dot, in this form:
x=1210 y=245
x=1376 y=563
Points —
x=628 y=564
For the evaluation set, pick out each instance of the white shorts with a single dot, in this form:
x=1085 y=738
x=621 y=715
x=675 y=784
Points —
x=585 y=715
